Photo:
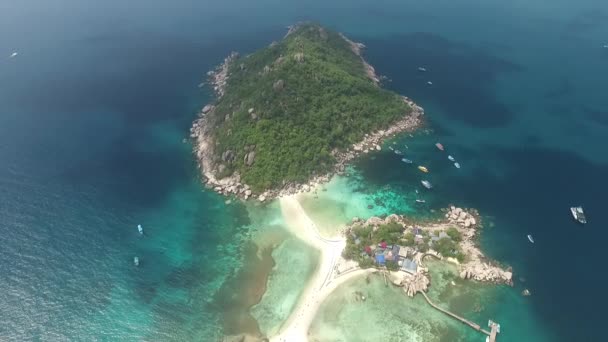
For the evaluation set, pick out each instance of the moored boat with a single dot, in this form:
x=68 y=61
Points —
x=420 y=201
x=578 y=214
x=140 y=229
x=136 y=261
x=439 y=146
x=457 y=165
x=405 y=160
x=451 y=158
x=429 y=83
x=423 y=69
x=530 y=238
x=426 y=184
x=423 y=169
x=399 y=153
x=13 y=55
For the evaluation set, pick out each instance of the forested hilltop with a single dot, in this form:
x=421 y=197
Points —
x=284 y=112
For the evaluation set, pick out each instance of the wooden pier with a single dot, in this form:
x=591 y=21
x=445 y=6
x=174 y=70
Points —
x=494 y=327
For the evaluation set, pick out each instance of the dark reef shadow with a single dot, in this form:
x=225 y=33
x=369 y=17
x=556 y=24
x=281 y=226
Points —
x=463 y=76
x=597 y=116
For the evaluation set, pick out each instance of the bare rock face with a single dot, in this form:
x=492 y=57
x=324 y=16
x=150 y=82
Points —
x=278 y=85
x=221 y=168
x=299 y=57
x=391 y=218
x=207 y=108
x=322 y=33
x=228 y=156
x=374 y=221
x=249 y=158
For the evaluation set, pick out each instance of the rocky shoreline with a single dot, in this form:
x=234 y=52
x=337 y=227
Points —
x=204 y=144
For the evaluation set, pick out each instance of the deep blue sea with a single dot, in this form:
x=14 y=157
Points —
x=94 y=108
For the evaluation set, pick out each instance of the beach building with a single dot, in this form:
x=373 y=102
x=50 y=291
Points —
x=380 y=259
x=442 y=235
x=409 y=266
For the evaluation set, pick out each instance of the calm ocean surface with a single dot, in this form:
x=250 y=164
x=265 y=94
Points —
x=94 y=108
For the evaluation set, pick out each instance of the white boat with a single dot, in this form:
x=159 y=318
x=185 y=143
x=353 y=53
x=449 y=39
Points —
x=429 y=83
x=426 y=184
x=140 y=229
x=391 y=148
x=423 y=69
x=451 y=158
x=405 y=160
x=136 y=261
x=605 y=46
x=530 y=238
x=420 y=201
x=13 y=55
x=578 y=214
x=457 y=165
x=399 y=153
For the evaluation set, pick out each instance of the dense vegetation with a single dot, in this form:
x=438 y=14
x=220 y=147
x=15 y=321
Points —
x=310 y=95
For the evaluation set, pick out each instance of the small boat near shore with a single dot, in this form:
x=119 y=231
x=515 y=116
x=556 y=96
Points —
x=457 y=165
x=399 y=153
x=420 y=201
x=391 y=148
x=140 y=229
x=136 y=261
x=440 y=146
x=407 y=161
x=530 y=238
x=426 y=184
x=423 y=169
x=450 y=158
x=578 y=214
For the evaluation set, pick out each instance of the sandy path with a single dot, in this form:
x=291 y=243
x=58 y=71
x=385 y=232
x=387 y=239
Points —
x=295 y=329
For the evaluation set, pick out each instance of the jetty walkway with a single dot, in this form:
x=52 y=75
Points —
x=494 y=327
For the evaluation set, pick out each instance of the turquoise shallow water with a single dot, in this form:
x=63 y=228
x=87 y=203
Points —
x=94 y=109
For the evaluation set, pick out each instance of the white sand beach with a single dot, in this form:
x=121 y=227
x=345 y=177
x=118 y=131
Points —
x=323 y=282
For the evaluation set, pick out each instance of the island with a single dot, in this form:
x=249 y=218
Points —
x=288 y=116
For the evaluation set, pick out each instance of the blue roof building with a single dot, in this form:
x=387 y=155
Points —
x=380 y=259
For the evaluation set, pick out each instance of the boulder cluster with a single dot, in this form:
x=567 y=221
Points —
x=418 y=282
x=487 y=273
x=461 y=217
